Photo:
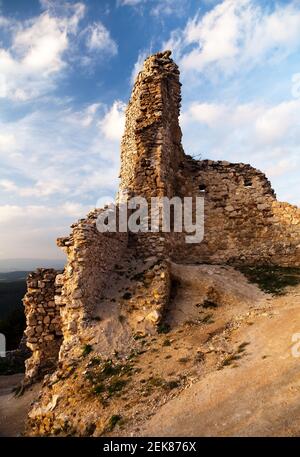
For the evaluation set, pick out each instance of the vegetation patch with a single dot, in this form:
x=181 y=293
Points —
x=170 y=385
x=237 y=355
x=167 y=343
x=207 y=304
x=163 y=328
x=116 y=385
x=183 y=360
x=108 y=378
x=113 y=421
x=208 y=319
x=272 y=279
x=155 y=382
x=87 y=349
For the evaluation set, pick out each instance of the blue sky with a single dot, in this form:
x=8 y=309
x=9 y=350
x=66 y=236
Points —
x=66 y=72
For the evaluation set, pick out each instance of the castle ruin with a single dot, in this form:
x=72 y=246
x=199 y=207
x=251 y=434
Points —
x=244 y=225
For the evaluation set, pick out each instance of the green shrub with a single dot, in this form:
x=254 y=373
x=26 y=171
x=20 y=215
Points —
x=272 y=279
x=87 y=349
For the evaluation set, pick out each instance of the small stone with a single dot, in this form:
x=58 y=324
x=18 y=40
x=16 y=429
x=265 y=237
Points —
x=153 y=317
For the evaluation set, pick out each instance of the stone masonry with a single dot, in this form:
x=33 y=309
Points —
x=91 y=257
x=43 y=331
x=151 y=150
x=244 y=223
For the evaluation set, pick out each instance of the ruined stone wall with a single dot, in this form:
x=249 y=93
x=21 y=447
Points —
x=43 y=331
x=244 y=223
x=91 y=256
x=151 y=146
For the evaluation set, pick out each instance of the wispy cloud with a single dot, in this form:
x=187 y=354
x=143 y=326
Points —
x=138 y=65
x=267 y=136
x=158 y=8
x=57 y=165
x=235 y=36
x=41 y=48
x=58 y=162
x=112 y=124
x=30 y=230
x=36 y=54
x=99 y=39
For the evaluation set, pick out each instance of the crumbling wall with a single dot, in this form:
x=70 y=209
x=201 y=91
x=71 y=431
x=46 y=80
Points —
x=244 y=223
x=43 y=331
x=151 y=148
x=148 y=298
x=91 y=256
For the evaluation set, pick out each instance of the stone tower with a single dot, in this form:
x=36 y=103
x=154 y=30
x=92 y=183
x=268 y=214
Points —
x=151 y=148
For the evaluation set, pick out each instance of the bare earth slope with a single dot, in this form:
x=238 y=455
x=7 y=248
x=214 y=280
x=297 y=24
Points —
x=258 y=396
x=13 y=410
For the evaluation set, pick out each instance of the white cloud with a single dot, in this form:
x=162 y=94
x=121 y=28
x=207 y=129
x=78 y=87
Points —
x=36 y=54
x=7 y=142
x=269 y=124
x=42 y=160
x=40 y=189
x=206 y=113
x=85 y=117
x=265 y=135
x=31 y=230
x=30 y=213
x=4 y=22
x=159 y=8
x=138 y=66
x=51 y=176
x=99 y=39
x=41 y=48
x=169 y=7
x=7 y=185
x=282 y=167
x=112 y=125
x=131 y=2
x=234 y=36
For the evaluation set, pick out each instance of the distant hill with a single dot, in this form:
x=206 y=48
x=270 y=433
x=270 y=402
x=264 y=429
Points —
x=14 y=276
x=11 y=294
x=12 y=317
x=12 y=265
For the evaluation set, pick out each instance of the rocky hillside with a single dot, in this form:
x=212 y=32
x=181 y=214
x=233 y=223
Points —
x=217 y=361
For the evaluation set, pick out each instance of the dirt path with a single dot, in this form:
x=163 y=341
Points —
x=258 y=395
x=13 y=410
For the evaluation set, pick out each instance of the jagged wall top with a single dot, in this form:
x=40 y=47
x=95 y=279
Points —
x=151 y=146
